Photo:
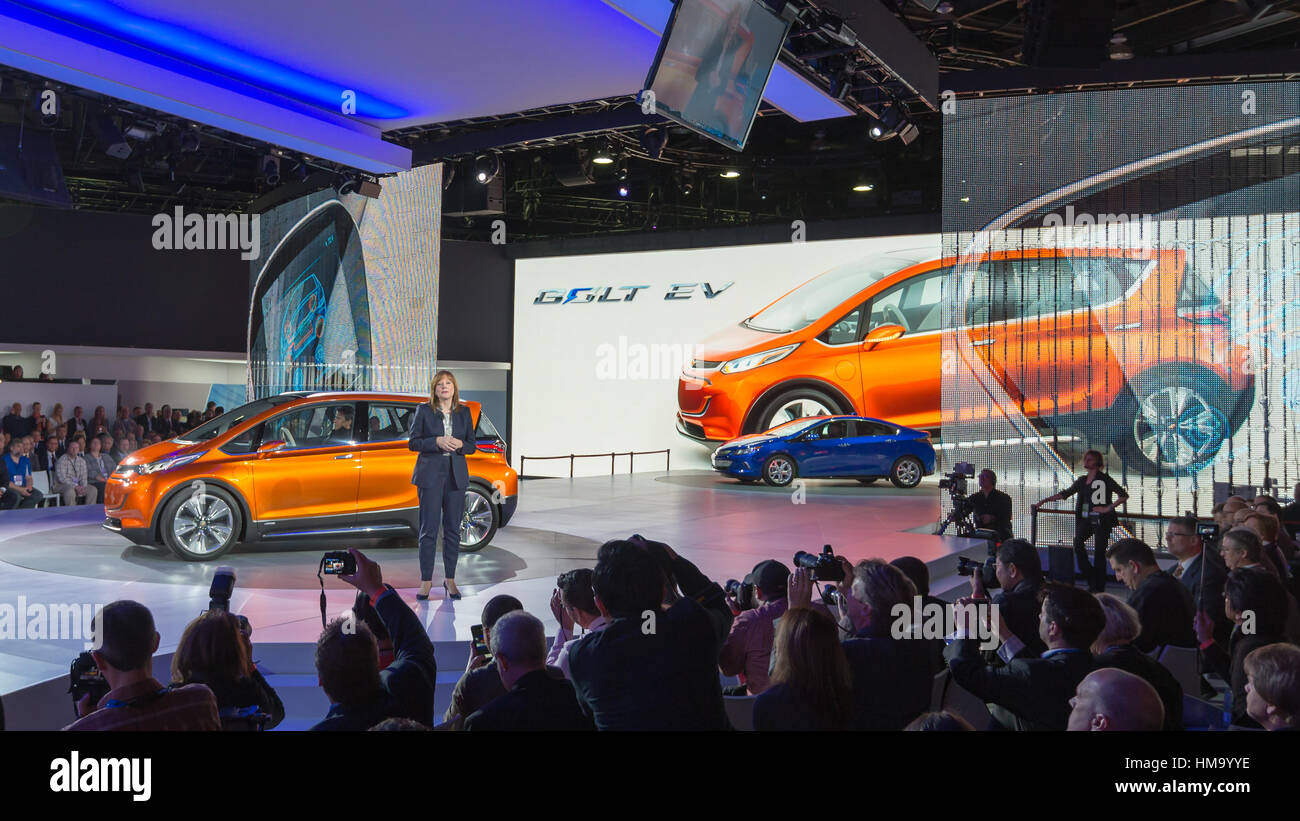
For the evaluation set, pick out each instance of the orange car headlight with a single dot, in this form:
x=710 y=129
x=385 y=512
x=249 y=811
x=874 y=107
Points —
x=755 y=360
x=167 y=464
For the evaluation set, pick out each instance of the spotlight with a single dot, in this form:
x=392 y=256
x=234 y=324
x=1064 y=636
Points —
x=271 y=169
x=345 y=184
x=876 y=130
x=109 y=136
x=863 y=186
x=621 y=172
x=603 y=155
x=622 y=191
x=653 y=140
x=729 y=174
x=763 y=195
x=486 y=168
x=1120 y=49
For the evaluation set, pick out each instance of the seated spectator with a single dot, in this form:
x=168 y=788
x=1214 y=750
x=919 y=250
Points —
x=919 y=575
x=1200 y=569
x=1114 y=700
x=1114 y=648
x=73 y=480
x=143 y=417
x=18 y=372
x=136 y=700
x=347 y=661
x=122 y=425
x=1242 y=550
x=98 y=421
x=1020 y=576
x=62 y=433
x=1271 y=508
x=399 y=725
x=537 y=697
x=49 y=456
x=572 y=603
x=1162 y=603
x=18 y=490
x=1259 y=593
x=747 y=651
x=216 y=652
x=99 y=466
x=1034 y=693
x=1273 y=686
x=15 y=424
x=481 y=683
x=810 y=687
x=177 y=424
x=1266 y=528
x=122 y=449
x=652 y=668
x=940 y=722
x=56 y=415
x=891 y=675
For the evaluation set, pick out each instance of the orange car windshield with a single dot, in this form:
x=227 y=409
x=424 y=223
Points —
x=230 y=419
x=812 y=300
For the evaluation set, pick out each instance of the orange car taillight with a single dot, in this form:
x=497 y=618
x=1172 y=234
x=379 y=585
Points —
x=491 y=446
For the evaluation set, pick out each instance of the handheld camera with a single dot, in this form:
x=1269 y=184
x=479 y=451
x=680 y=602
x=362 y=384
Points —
x=825 y=566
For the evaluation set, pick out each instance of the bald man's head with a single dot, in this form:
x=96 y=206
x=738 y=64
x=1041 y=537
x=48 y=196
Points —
x=1111 y=699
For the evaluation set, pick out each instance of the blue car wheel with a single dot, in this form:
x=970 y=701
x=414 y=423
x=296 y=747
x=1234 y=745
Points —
x=906 y=472
x=779 y=470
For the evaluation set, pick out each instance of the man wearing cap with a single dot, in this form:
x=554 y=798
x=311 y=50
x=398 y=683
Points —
x=747 y=652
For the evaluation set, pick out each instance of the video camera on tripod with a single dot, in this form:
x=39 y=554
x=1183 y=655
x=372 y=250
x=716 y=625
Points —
x=962 y=513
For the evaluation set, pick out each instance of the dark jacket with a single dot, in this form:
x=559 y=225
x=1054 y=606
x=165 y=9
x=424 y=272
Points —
x=1031 y=693
x=406 y=685
x=1128 y=658
x=474 y=691
x=1164 y=606
x=779 y=708
x=997 y=504
x=1204 y=579
x=246 y=692
x=432 y=463
x=1020 y=608
x=44 y=461
x=540 y=700
x=16 y=426
x=891 y=680
x=1230 y=664
x=630 y=678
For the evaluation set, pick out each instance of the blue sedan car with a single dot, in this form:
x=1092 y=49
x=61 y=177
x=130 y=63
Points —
x=825 y=447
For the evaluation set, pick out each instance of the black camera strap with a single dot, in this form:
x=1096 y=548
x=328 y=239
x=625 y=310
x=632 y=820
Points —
x=321 y=579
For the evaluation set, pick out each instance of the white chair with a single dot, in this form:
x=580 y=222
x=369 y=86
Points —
x=740 y=711
x=1185 y=665
x=41 y=482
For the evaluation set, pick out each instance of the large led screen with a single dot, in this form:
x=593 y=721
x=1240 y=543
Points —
x=1121 y=276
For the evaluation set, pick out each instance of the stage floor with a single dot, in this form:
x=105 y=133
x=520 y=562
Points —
x=63 y=556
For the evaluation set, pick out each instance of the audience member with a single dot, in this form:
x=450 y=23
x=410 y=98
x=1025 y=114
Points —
x=1290 y=515
x=19 y=491
x=1266 y=528
x=651 y=668
x=56 y=415
x=810 y=687
x=537 y=697
x=215 y=651
x=1249 y=593
x=1034 y=693
x=78 y=422
x=73 y=479
x=49 y=455
x=122 y=449
x=1115 y=700
x=122 y=425
x=1200 y=569
x=99 y=466
x=136 y=700
x=347 y=661
x=1242 y=550
x=1273 y=686
x=1164 y=606
x=1020 y=576
x=15 y=424
x=1114 y=648
x=481 y=683
x=572 y=603
x=747 y=651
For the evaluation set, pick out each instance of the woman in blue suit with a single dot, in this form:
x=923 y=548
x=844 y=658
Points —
x=442 y=434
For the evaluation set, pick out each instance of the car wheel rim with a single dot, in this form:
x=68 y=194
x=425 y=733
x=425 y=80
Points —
x=780 y=471
x=203 y=524
x=908 y=473
x=798 y=409
x=1176 y=428
x=478 y=518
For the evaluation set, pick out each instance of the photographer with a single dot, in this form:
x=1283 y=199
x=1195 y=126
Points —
x=215 y=651
x=481 y=683
x=1094 y=515
x=136 y=700
x=573 y=604
x=747 y=652
x=992 y=507
x=347 y=661
x=1020 y=575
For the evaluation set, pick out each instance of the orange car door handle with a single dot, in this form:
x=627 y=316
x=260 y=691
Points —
x=345 y=456
x=987 y=341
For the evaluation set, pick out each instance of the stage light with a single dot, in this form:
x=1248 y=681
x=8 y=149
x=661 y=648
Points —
x=653 y=140
x=1120 y=49
x=729 y=174
x=622 y=191
x=862 y=187
x=109 y=136
x=621 y=172
x=486 y=168
x=876 y=130
x=271 y=169
x=603 y=156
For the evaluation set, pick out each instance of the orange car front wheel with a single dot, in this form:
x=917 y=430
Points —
x=201 y=525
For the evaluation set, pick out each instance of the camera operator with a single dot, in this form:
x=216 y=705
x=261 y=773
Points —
x=215 y=651
x=991 y=506
x=1098 y=496
x=136 y=700
x=1020 y=576
x=347 y=661
x=747 y=652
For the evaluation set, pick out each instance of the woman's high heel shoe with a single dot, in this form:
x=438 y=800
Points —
x=422 y=596
x=453 y=596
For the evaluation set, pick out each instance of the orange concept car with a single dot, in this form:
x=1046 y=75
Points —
x=298 y=465
x=1131 y=346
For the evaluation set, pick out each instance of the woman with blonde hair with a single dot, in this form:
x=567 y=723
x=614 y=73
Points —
x=55 y=417
x=442 y=435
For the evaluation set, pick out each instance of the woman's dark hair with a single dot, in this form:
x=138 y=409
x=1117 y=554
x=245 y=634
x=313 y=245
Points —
x=807 y=657
x=575 y=588
x=1260 y=592
x=211 y=650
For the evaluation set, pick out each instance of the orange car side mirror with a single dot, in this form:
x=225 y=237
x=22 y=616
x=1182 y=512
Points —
x=270 y=447
x=882 y=333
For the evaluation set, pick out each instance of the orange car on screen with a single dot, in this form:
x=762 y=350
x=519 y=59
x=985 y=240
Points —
x=298 y=465
x=1131 y=346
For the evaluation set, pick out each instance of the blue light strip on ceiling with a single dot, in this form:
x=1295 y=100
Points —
x=787 y=89
x=173 y=41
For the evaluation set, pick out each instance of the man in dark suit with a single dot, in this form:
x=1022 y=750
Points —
x=15 y=424
x=1033 y=693
x=347 y=661
x=47 y=456
x=1020 y=575
x=1162 y=603
x=481 y=683
x=1201 y=570
x=652 y=668
x=77 y=424
x=538 y=697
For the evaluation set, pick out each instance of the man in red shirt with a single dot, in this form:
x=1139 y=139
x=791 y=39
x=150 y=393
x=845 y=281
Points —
x=138 y=701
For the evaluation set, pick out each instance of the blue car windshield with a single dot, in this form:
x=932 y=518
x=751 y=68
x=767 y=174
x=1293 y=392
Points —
x=816 y=297
x=795 y=425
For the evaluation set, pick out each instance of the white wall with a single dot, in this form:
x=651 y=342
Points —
x=561 y=404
